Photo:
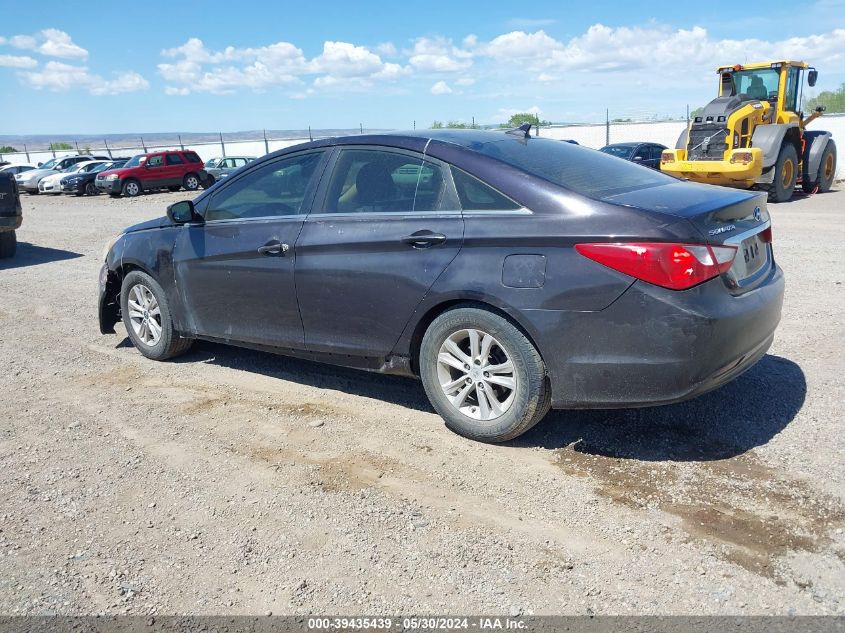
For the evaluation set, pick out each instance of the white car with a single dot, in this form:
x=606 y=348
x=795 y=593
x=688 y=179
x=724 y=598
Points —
x=53 y=183
x=17 y=168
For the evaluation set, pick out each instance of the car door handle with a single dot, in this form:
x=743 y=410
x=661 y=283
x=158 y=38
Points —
x=424 y=239
x=273 y=247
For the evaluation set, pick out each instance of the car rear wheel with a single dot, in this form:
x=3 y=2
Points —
x=482 y=375
x=191 y=182
x=91 y=189
x=131 y=188
x=8 y=244
x=146 y=315
x=786 y=174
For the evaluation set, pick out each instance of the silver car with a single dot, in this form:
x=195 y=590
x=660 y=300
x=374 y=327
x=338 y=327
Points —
x=28 y=180
x=221 y=167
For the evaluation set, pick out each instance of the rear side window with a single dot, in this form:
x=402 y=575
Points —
x=378 y=181
x=174 y=159
x=192 y=157
x=273 y=189
x=477 y=196
x=584 y=171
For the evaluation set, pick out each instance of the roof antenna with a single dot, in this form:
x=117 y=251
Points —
x=523 y=130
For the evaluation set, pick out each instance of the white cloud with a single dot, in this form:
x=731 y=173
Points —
x=606 y=49
x=387 y=49
x=50 y=43
x=340 y=66
x=438 y=54
x=61 y=77
x=17 y=61
x=465 y=81
x=441 y=88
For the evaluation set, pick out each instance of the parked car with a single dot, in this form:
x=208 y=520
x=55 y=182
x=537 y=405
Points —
x=28 y=181
x=509 y=273
x=221 y=167
x=10 y=215
x=16 y=169
x=53 y=183
x=81 y=182
x=172 y=170
x=647 y=154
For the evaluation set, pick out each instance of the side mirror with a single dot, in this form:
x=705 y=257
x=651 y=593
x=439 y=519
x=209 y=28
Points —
x=39 y=164
x=638 y=158
x=182 y=212
x=812 y=77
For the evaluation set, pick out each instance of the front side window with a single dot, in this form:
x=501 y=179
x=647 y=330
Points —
x=274 y=189
x=378 y=181
x=620 y=151
x=135 y=161
x=174 y=159
x=155 y=161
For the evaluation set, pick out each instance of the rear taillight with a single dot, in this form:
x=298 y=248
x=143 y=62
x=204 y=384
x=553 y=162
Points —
x=674 y=266
x=766 y=235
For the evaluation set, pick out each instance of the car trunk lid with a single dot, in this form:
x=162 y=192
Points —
x=723 y=217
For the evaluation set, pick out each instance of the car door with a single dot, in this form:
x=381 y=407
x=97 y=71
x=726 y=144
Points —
x=174 y=168
x=236 y=270
x=387 y=225
x=153 y=171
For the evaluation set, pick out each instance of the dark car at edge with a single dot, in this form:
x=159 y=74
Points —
x=509 y=273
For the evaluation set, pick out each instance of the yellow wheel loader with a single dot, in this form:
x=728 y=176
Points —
x=753 y=134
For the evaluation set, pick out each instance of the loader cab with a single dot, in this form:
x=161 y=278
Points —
x=778 y=83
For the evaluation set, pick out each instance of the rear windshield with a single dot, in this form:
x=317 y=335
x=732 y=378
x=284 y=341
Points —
x=621 y=151
x=585 y=171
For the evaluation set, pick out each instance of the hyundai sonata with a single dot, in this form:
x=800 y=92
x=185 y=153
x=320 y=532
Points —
x=509 y=273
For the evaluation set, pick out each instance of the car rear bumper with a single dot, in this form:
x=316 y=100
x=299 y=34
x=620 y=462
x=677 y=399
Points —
x=10 y=222
x=655 y=346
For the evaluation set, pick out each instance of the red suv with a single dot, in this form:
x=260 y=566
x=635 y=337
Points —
x=172 y=169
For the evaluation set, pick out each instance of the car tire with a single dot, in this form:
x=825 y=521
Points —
x=146 y=316
x=191 y=182
x=786 y=174
x=131 y=188
x=209 y=181
x=8 y=244
x=482 y=405
x=91 y=189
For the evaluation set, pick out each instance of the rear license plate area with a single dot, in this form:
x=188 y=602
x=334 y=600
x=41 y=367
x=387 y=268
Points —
x=751 y=256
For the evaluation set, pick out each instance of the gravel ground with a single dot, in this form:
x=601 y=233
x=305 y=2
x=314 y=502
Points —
x=237 y=482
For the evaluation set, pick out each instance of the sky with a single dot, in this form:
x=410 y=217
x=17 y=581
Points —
x=113 y=67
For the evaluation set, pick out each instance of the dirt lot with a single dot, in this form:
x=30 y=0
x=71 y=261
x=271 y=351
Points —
x=233 y=481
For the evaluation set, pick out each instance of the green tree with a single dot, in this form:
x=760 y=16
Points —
x=458 y=125
x=7 y=149
x=696 y=112
x=521 y=118
x=833 y=100
x=56 y=146
x=437 y=125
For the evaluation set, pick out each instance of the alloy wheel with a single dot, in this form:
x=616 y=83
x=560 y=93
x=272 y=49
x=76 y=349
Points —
x=144 y=314
x=476 y=374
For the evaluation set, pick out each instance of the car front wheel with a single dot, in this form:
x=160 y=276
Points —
x=482 y=375
x=131 y=188
x=146 y=315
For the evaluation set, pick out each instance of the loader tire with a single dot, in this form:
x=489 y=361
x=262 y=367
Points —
x=786 y=174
